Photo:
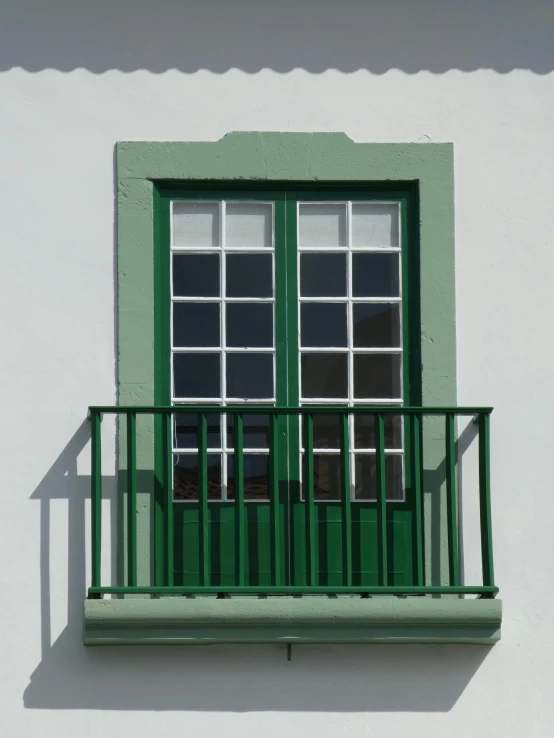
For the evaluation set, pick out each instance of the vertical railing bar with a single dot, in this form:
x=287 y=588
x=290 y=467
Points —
x=274 y=498
x=346 y=507
x=203 y=497
x=485 y=500
x=238 y=473
x=168 y=498
x=132 y=499
x=451 y=501
x=96 y=500
x=381 y=498
x=309 y=497
x=415 y=421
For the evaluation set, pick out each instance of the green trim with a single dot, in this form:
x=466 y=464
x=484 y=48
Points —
x=291 y=620
x=264 y=160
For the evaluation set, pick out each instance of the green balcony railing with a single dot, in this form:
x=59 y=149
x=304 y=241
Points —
x=282 y=583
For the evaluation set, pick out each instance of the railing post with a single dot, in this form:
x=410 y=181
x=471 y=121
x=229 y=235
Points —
x=308 y=485
x=415 y=421
x=167 y=454
x=238 y=474
x=274 y=498
x=96 y=500
x=381 y=499
x=485 y=499
x=203 y=497
x=345 y=497
x=452 y=501
x=131 y=499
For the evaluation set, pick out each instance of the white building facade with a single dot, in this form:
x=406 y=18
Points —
x=348 y=573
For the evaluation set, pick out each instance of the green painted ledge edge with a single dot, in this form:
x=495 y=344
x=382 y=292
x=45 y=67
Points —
x=184 y=621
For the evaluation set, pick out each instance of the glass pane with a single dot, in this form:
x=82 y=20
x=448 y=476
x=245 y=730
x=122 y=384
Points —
x=323 y=275
x=322 y=225
x=195 y=224
x=196 y=375
x=248 y=224
x=256 y=477
x=195 y=324
x=196 y=275
x=374 y=225
x=375 y=275
x=249 y=275
x=324 y=375
x=364 y=431
x=323 y=324
x=250 y=376
x=377 y=376
x=186 y=430
x=327 y=484
x=376 y=325
x=255 y=431
x=185 y=477
x=366 y=477
x=249 y=325
x=326 y=431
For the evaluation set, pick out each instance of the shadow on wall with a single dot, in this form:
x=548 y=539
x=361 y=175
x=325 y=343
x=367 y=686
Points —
x=218 y=678
x=314 y=35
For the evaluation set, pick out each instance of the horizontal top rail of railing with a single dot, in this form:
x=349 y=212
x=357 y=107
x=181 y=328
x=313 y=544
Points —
x=304 y=410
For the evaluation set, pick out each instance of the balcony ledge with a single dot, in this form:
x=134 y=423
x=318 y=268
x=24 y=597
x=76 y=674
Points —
x=291 y=620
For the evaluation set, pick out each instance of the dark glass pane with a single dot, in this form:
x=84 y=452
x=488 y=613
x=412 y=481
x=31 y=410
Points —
x=256 y=477
x=185 y=477
x=249 y=275
x=249 y=325
x=327 y=483
x=195 y=324
x=186 y=430
x=324 y=375
x=323 y=275
x=323 y=324
x=196 y=275
x=377 y=376
x=366 y=477
x=249 y=376
x=326 y=431
x=376 y=325
x=375 y=275
x=196 y=375
x=255 y=431
x=364 y=431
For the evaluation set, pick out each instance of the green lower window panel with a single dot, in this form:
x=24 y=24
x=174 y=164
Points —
x=290 y=620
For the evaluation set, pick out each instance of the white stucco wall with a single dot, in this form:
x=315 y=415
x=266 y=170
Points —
x=75 y=78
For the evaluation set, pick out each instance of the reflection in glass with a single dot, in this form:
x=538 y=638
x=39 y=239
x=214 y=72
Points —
x=256 y=477
x=322 y=224
x=248 y=224
x=249 y=275
x=195 y=224
x=195 y=324
x=323 y=275
x=374 y=225
x=326 y=431
x=375 y=275
x=327 y=482
x=364 y=431
x=196 y=275
x=250 y=376
x=249 y=325
x=185 y=427
x=185 y=477
x=377 y=376
x=324 y=375
x=376 y=325
x=366 y=477
x=255 y=431
x=323 y=324
x=196 y=375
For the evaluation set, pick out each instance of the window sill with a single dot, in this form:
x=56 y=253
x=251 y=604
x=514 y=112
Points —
x=285 y=620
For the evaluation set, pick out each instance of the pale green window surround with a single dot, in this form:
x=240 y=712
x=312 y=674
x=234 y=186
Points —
x=310 y=158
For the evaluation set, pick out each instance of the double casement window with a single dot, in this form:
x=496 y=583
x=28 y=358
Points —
x=286 y=299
